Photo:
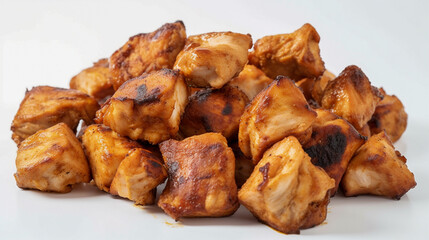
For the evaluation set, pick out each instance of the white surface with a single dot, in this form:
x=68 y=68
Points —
x=47 y=42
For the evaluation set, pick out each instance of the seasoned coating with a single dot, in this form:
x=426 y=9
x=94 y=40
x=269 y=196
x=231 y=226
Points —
x=147 y=52
x=378 y=169
x=148 y=107
x=390 y=116
x=243 y=165
x=213 y=59
x=251 y=81
x=214 y=110
x=332 y=145
x=278 y=111
x=51 y=160
x=105 y=149
x=44 y=106
x=295 y=55
x=286 y=191
x=138 y=175
x=320 y=84
x=94 y=81
x=351 y=96
x=200 y=177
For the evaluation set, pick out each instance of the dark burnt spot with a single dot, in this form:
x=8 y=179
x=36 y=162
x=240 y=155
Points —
x=169 y=72
x=145 y=97
x=67 y=98
x=264 y=170
x=181 y=180
x=173 y=168
x=155 y=164
x=204 y=177
x=206 y=124
x=214 y=147
x=227 y=109
x=201 y=95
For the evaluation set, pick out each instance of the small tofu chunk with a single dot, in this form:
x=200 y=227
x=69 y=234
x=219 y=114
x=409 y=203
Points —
x=378 y=169
x=200 y=177
x=51 y=160
x=286 y=191
x=213 y=59
x=105 y=149
x=148 y=107
x=320 y=84
x=295 y=55
x=251 y=81
x=44 y=107
x=138 y=175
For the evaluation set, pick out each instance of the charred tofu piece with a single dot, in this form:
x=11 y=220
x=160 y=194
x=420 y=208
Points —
x=148 y=107
x=278 y=111
x=320 y=84
x=251 y=81
x=351 y=96
x=286 y=191
x=332 y=145
x=147 y=52
x=51 y=160
x=94 y=81
x=45 y=106
x=378 y=169
x=105 y=149
x=213 y=59
x=295 y=55
x=214 y=110
x=200 y=177
x=243 y=165
x=390 y=116
x=138 y=175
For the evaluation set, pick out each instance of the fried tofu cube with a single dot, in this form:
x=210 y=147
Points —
x=148 y=107
x=213 y=59
x=200 y=177
x=138 y=175
x=351 y=96
x=147 y=52
x=295 y=55
x=243 y=165
x=51 y=160
x=320 y=84
x=378 y=169
x=389 y=116
x=105 y=150
x=278 y=111
x=214 y=110
x=44 y=107
x=251 y=81
x=286 y=191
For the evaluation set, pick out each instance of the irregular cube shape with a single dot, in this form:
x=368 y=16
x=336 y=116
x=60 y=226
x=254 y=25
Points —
x=286 y=191
x=44 y=107
x=51 y=160
x=251 y=81
x=148 y=107
x=214 y=110
x=213 y=59
x=278 y=111
x=200 y=177
x=138 y=175
x=295 y=55
x=378 y=169
x=320 y=85
x=351 y=96
x=147 y=52
x=105 y=149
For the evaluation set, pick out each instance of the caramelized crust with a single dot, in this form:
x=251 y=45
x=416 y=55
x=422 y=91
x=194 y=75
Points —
x=251 y=81
x=147 y=52
x=295 y=55
x=51 y=160
x=320 y=84
x=200 y=177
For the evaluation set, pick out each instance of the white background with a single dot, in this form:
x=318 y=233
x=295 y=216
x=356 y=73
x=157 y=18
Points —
x=47 y=42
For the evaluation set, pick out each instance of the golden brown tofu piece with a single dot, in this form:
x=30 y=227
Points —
x=251 y=81
x=286 y=191
x=306 y=85
x=148 y=107
x=138 y=175
x=105 y=149
x=351 y=96
x=378 y=169
x=365 y=131
x=278 y=111
x=51 y=160
x=200 y=177
x=44 y=106
x=332 y=145
x=94 y=81
x=243 y=165
x=214 y=110
x=213 y=59
x=320 y=84
x=390 y=116
x=147 y=52
x=295 y=55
